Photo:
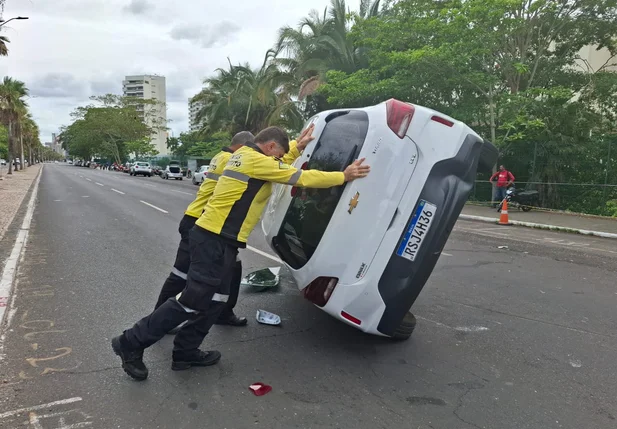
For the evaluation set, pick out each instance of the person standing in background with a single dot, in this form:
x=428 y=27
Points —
x=504 y=180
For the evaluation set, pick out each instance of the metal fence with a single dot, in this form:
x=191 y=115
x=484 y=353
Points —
x=576 y=197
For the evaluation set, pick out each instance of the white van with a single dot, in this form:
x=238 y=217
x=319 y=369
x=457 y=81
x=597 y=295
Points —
x=362 y=252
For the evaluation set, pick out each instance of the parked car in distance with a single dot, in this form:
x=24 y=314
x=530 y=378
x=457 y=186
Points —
x=141 y=168
x=173 y=172
x=156 y=170
x=198 y=177
x=2 y=161
x=363 y=251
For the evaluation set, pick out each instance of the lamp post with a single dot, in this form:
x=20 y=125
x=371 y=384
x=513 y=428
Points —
x=3 y=22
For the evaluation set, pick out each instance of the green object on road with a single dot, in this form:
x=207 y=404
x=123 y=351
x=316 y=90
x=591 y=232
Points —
x=263 y=279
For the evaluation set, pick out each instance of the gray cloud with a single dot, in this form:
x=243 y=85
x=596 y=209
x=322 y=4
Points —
x=138 y=7
x=59 y=85
x=206 y=36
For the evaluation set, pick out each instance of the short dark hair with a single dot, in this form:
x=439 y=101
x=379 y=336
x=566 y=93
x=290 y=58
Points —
x=243 y=137
x=277 y=134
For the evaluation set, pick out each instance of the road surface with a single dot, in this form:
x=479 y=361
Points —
x=518 y=337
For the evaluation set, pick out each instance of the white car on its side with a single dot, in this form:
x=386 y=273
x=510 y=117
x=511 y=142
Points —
x=362 y=252
x=198 y=177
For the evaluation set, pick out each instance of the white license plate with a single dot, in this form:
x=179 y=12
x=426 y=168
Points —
x=417 y=230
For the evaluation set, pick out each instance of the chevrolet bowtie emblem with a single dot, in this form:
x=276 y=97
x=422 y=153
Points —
x=353 y=203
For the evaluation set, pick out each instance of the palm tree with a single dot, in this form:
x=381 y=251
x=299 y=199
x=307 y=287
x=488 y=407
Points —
x=11 y=105
x=4 y=50
x=241 y=98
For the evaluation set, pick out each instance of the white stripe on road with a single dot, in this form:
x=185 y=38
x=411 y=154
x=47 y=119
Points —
x=181 y=192
x=10 y=268
x=88 y=179
x=262 y=253
x=445 y=254
x=153 y=206
x=100 y=184
x=115 y=190
x=40 y=407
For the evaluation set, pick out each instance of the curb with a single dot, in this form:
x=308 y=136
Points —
x=541 y=226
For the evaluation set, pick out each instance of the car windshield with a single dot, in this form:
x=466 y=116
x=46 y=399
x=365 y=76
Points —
x=310 y=210
x=142 y=164
x=174 y=169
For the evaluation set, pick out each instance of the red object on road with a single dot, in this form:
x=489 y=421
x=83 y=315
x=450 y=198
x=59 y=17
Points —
x=260 y=389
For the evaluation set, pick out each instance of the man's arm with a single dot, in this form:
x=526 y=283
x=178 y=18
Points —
x=293 y=154
x=511 y=177
x=297 y=146
x=493 y=177
x=271 y=170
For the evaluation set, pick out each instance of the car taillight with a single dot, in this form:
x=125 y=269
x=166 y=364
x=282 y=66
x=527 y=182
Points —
x=294 y=189
x=399 y=116
x=351 y=318
x=320 y=290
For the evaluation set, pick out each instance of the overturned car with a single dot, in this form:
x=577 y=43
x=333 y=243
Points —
x=363 y=251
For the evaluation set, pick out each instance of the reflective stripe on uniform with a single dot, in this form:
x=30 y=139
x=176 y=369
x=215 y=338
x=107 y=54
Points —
x=220 y=297
x=212 y=176
x=236 y=175
x=294 y=179
x=178 y=273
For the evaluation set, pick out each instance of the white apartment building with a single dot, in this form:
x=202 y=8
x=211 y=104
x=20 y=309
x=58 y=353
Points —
x=194 y=108
x=150 y=87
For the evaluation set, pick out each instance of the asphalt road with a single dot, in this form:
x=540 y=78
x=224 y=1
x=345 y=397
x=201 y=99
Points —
x=519 y=337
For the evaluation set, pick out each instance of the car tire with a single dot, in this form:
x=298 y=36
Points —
x=181 y=178
x=405 y=329
x=194 y=181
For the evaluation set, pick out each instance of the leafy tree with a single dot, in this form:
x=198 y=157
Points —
x=113 y=127
x=12 y=108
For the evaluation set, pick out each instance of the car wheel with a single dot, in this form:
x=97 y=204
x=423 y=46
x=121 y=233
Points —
x=194 y=181
x=181 y=178
x=405 y=329
x=526 y=208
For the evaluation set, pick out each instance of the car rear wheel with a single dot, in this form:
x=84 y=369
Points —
x=194 y=181
x=405 y=329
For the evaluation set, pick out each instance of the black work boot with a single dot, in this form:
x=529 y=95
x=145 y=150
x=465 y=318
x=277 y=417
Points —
x=132 y=360
x=197 y=358
x=231 y=319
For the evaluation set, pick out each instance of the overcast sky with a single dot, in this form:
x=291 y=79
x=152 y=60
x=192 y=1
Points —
x=71 y=49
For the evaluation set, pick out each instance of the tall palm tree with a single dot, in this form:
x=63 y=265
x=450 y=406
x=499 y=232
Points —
x=12 y=104
x=4 y=50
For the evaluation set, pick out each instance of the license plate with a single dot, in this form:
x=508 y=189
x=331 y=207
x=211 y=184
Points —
x=417 y=230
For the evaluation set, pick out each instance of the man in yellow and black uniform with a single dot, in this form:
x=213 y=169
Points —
x=229 y=217
x=176 y=281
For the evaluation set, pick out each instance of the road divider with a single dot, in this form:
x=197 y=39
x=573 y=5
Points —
x=153 y=206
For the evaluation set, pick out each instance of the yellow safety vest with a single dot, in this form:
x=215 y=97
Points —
x=243 y=190
x=217 y=164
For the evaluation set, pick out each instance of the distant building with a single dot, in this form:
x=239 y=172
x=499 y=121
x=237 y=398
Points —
x=194 y=108
x=150 y=87
x=593 y=59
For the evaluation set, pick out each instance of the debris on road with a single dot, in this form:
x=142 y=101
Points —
x=267 y=318
x=263 y=279
x=260 y=389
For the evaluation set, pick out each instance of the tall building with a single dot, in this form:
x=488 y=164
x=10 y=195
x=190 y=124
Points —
x=150 y=87
x=194 y=108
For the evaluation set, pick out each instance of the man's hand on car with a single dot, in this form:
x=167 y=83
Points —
x=305 y=138
x=356 y=170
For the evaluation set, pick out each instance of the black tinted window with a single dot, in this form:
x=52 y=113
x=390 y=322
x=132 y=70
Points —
x=310 y=210
x=174 y=169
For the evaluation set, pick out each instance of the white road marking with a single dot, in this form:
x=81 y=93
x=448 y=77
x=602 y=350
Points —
x=153 y=206
x=40 y=407
x=100 y=184
x=115 y=190
x=57 y=201
x=88 y=179
x=471 y=328
x=446 y=254
x=181 y=192
x=81 y=176
x=10 y=268
x=262 y=253
x=85 y=196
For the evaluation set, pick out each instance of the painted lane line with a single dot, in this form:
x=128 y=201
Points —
x=446 y=254
x=88 y=179
x=181 y=192
x=100 y=184
x=120 y=192
x=85 y=196
x=262 y=253
x=153 y=206
x=10 y=268
x=40 y=407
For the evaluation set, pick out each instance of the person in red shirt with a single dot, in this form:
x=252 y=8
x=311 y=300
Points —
x=504 y=180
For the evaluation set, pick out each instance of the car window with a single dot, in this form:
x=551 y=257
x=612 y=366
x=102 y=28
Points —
x=174 y=169
x=310 y=210
x=142 y=164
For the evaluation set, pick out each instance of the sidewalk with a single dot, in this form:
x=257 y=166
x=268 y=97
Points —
x=13 y=189
x=561 y=220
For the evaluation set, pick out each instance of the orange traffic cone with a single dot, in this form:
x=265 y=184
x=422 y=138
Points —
x=503 y=219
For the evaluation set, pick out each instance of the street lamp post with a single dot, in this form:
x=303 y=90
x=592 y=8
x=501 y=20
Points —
x=3 y=22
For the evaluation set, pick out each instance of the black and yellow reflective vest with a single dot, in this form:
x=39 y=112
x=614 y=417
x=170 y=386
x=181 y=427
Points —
x=245 y=185
x=217 y=164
